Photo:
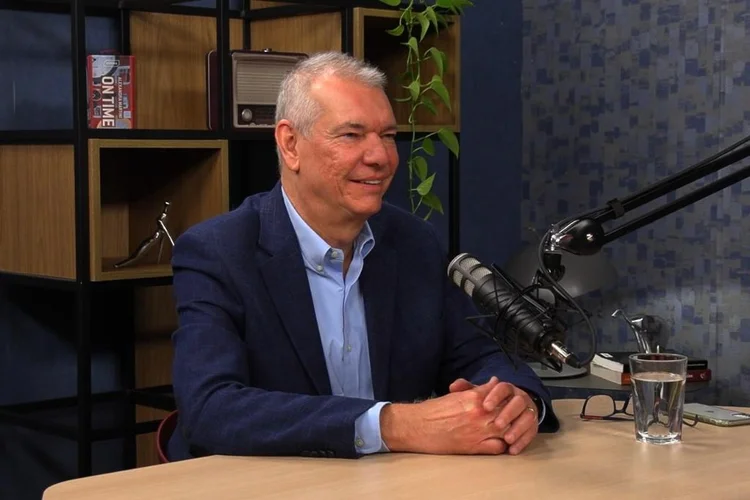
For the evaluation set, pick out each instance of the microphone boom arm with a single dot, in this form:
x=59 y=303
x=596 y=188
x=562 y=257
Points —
x=585 y=235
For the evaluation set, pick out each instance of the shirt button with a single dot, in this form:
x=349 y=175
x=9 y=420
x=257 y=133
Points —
x=334 y=254
x=348 y=348
x=359 y=443
x=319 y=268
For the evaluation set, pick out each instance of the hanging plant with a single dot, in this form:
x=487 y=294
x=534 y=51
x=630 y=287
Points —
x=417 y=19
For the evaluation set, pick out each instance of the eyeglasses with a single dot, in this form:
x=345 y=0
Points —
x=604 y=407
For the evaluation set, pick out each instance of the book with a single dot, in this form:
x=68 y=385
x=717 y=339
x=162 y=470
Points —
x=621 y=378
x=617 y=361
x=111 y=91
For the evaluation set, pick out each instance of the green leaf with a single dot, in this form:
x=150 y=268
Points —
x=441 y=19
x=414 y=90
x=439 y=87
x=402 y=99
x=426 y=185
x=429 y=12
x=420 y=167
x=429 y=104
x=450 y=140
x=431 y=200
x=444 y=4
x=425 y=23
x=439 y=57
x=397 y=31
x=413 y=45
x=392 y=3
x=428 y=146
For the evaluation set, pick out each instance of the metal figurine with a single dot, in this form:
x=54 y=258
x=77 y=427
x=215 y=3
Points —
x=148 y=243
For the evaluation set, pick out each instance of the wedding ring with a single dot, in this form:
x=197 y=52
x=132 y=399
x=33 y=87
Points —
x=531 y=409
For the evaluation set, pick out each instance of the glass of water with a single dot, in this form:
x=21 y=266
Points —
x=658 y=383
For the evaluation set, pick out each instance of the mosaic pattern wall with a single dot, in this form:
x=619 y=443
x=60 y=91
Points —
x=617 y=95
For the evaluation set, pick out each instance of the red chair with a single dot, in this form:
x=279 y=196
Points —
x=163 y=433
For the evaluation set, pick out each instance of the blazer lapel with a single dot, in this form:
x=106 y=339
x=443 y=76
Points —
x=377 y=282
x=286 y=280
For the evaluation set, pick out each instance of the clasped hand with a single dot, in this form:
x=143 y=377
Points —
x=489 y=419
x=511 y=413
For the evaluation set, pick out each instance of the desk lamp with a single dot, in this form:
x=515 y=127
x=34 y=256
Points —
x=584 y=235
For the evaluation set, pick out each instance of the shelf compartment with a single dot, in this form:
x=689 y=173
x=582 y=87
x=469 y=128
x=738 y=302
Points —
x=311 y=33
x=387 y=52
x=129 y=182
x=170 y=52
x=308 y=33
x=37 y=211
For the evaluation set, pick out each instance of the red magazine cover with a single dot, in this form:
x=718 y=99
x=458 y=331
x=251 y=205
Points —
x=111 y=91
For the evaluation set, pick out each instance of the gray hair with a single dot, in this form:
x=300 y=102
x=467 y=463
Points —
x=294 y=102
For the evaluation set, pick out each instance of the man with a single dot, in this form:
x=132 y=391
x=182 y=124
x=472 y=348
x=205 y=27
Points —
x=316 y=320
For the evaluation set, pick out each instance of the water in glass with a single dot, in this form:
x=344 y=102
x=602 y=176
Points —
x=659 y=399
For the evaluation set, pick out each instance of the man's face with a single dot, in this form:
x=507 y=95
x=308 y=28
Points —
x=349 y=159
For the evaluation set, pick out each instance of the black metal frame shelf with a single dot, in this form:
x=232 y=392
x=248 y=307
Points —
x=25 y=414
x=79 y=135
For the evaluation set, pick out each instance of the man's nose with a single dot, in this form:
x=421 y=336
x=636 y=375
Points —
x=378 y=150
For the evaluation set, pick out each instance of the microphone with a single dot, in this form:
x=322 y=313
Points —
x=536 y=331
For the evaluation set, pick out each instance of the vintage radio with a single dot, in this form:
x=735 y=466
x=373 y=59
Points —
x=253 y=86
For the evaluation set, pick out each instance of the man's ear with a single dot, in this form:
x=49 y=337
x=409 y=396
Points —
x=287 y=141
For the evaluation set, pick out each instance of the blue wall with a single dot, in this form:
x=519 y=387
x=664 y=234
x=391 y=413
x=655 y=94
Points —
x=618 y=95
x=36 y=346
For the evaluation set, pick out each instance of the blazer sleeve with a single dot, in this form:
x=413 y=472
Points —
x=471 y=355
x=219 y=411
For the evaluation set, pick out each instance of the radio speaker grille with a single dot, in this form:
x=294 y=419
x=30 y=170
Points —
x=258 y=80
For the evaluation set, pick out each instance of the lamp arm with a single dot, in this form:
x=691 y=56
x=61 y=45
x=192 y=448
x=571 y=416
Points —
x=585 y=235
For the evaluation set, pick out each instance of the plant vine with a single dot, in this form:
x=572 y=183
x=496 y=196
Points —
x=415 y=22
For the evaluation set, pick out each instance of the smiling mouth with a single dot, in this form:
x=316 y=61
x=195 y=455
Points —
x=370 y=183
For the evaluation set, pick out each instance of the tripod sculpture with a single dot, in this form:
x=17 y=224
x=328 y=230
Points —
x=148 y=243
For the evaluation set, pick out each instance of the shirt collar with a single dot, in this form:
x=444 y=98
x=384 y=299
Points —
x=314 y=249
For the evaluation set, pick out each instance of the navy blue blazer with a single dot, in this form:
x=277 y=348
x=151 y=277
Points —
x=249 y=372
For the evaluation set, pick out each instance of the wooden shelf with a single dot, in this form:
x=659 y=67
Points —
x=170 y=52
x=37 y=210
x=129 y=182
x=155 y=319
x=387 y=52
x=321 y=32
x=306 y=34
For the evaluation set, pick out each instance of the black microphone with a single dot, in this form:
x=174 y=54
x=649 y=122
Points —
x=537 y=333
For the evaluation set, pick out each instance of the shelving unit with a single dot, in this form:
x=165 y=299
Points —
x=74 y=202
x=129 y=183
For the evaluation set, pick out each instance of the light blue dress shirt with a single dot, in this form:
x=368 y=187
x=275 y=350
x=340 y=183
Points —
x=340 y=312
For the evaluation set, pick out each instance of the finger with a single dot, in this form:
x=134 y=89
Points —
x=460 y=385
x=520 y=426
x=524 y=441
x=492 y=446
x=499 y=394
x=473 y=399
x=511 y=411
x=485 y=388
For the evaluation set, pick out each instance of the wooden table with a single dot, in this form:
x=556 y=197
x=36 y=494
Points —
x=585 y=460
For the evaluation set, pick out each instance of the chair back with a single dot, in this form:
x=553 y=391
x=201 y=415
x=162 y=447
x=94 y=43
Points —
x=163 y=433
